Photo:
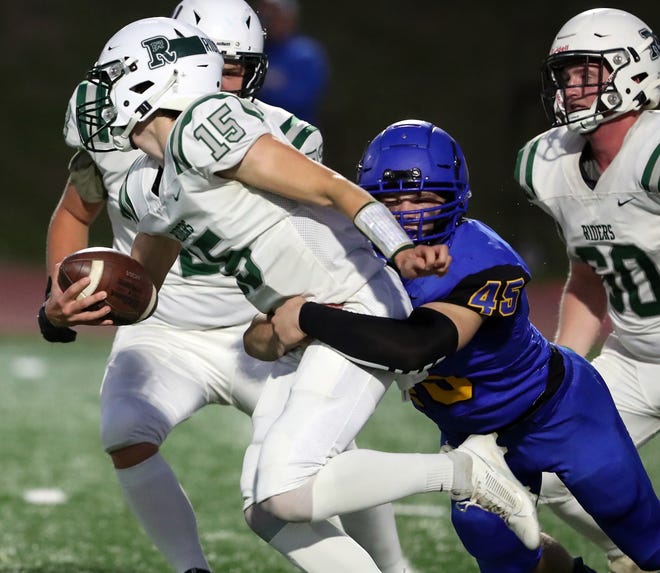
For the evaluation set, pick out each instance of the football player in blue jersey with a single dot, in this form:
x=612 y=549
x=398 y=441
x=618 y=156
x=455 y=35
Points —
x=489 y=369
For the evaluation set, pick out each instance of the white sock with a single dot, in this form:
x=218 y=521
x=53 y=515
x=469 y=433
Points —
x=322 y=548
x=155 y=497
x=359 y=479
x=375 y=530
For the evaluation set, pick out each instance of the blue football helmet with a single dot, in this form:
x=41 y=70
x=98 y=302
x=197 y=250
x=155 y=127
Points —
x=413 y=156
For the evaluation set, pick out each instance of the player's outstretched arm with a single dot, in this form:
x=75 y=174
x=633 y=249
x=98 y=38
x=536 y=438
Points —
x=428 y=335
x=278 y=168
x=272 y=165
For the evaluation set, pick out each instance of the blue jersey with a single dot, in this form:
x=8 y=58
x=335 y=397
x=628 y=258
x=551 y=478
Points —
x=494 y=380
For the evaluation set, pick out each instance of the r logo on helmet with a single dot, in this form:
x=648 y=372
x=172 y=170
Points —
x=159 y=52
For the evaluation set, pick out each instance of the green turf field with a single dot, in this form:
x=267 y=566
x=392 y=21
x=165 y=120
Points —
x=49 y=440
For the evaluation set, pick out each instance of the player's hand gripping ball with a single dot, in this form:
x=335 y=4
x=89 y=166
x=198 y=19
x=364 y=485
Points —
x=131 y=294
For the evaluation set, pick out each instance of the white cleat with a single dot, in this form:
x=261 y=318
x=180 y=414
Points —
x=497 y=490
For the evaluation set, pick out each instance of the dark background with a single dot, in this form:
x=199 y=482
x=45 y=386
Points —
x=470 y=67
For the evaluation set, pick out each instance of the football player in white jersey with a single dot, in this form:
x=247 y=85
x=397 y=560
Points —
x=597 y=173
x=235 y=194
x=195 y=336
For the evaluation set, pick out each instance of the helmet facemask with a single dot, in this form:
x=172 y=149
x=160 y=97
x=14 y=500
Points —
x=607 y=99
x=255 y=67
x=428 y=224
x=94 y=113
x=101 y=116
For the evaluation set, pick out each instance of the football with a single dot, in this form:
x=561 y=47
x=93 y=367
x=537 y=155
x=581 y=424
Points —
x=131 y=293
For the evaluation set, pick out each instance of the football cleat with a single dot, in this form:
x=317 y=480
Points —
x=197 y=571
x=497 y=490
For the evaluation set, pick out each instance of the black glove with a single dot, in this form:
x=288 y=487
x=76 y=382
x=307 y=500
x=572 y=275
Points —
x=49 y=331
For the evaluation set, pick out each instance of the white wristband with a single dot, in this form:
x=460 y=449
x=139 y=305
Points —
x=382 y=229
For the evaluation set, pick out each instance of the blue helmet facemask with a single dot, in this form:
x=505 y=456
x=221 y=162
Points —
x=413 y=156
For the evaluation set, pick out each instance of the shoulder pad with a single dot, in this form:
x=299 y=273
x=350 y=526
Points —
x=215 y=133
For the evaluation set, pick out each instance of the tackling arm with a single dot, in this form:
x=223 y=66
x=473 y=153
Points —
x=426 y=337
x=582 y=309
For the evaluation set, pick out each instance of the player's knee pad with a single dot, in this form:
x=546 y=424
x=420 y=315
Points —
x=126 y=421
x=488 y=539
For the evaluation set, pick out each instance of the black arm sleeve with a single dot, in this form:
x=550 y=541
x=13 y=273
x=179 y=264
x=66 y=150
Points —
x=410 y=345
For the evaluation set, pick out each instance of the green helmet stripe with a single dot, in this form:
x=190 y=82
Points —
x=191 y=46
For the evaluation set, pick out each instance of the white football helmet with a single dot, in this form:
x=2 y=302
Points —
x=151 y=64
x=235 y=28
x=629 y=53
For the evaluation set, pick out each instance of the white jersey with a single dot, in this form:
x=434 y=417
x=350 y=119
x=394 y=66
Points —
x=613 y=227
x=302 y=135
x=275 y=247
x=216 y=300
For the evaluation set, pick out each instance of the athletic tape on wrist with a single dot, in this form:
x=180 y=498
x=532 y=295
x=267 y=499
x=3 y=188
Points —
x=382 y=229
